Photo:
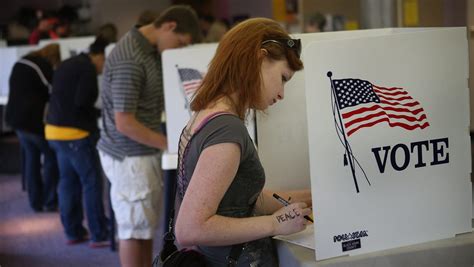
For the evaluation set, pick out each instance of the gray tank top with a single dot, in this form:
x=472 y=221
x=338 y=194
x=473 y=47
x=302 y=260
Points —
x=243 y=192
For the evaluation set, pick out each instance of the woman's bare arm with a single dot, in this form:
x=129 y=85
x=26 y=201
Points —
x=198 y=223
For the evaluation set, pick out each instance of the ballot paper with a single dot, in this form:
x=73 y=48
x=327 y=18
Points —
x=304 y=238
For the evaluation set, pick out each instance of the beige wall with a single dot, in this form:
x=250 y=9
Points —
x=348 y=8
x=436 y=13
x=430 y=13
x=260 y=8
x=9 y=8
x=123 y=13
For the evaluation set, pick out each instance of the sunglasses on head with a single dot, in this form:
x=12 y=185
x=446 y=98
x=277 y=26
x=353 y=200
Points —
x=294 y=44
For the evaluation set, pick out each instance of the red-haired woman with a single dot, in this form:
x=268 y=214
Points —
x=222 y=204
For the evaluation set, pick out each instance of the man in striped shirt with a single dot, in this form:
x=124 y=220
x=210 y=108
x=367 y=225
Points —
x=130 y=140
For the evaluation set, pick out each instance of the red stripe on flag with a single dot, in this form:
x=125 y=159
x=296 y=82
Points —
x=394 y=106
x=392 y=98
x=389 y=115
x=192 y=82
x=410 y=104
x=376 y=107
x=392 y=124
x=391 y=93
x=387 y=88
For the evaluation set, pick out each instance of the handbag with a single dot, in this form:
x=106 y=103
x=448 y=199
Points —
x=171 y=256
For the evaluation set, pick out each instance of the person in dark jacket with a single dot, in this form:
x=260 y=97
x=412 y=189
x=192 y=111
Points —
x=72 y=131
x=29 y=92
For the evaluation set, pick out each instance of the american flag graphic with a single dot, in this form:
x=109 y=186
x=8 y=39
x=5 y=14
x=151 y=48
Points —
x=191 y=80
x=364 y=104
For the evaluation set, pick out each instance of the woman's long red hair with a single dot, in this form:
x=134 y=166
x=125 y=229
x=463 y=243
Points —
x=236 y=66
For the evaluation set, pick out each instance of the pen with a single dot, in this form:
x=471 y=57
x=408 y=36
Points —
x=286 y=203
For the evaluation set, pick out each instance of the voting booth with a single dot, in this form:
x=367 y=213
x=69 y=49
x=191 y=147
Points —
x=301 y=138
x=393 y=112
x=70 y=47
x=377 y=125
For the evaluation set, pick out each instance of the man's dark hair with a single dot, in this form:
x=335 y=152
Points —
x=98 y=46
x=108 y=32
x=146 y=17
x=186 y=21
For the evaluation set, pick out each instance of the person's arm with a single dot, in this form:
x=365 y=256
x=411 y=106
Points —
x=197 y=222
x=128 y=125
x=267 y=204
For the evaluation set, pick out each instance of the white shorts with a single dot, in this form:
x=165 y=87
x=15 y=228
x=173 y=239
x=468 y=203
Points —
x=135 y=193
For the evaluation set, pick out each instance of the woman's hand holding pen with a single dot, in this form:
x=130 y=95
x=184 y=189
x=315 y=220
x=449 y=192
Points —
x=290 y=219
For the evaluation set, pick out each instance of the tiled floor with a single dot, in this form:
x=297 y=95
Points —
x=36 y=239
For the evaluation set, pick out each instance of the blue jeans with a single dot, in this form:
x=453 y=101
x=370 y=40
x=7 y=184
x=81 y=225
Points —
x=41 y=188
x=80 y=175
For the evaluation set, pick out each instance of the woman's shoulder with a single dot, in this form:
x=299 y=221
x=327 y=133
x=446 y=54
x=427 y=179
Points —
x=225 y=128
x=225 y=122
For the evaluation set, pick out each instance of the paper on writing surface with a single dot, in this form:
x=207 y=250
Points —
x=304 y=238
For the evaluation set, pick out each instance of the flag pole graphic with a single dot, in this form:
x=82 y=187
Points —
x=346 y=143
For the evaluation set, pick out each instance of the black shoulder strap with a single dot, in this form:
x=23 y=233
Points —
x=237 y=249
x=234 y=254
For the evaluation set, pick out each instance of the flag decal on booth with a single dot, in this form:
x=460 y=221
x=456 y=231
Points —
x=358 y=104
x=364 y=105
x=190 y=81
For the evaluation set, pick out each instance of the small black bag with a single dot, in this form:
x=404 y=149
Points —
x=170 y=256
x=185 y=257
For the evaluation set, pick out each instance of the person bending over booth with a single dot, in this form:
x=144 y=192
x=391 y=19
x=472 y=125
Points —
x=131 y=139
x=220 y=197
x=30 y=83
x=72 y=132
